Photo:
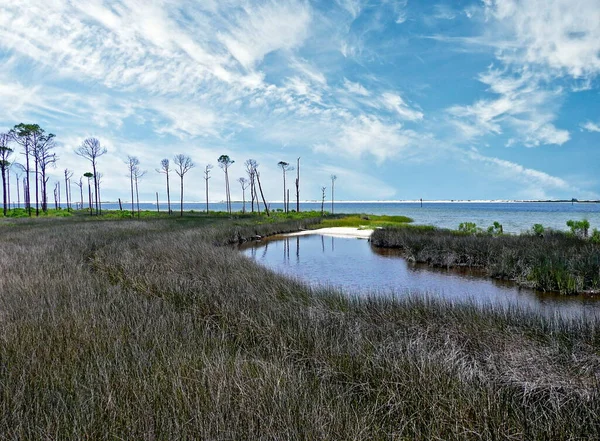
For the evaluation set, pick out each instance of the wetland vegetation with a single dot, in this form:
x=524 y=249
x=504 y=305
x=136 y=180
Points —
x=152 y=329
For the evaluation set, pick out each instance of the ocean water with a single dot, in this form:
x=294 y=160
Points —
x=515 y=217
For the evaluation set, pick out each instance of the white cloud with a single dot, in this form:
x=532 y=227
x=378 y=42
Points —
x=355 y=88
x=536 y=184
x=523 y=105
x=367 y=135
x=562 y=35
x=394 y=102
x=591 y=127
x=262 y=29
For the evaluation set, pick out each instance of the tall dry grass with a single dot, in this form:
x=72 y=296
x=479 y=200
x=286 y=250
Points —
x=148 y=330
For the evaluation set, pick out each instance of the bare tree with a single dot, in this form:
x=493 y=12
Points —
x=207 y=170
x=261 y=191
x=251 y=165
x=225 y=162
x=91 y=150
x=244 y=183
x=284 y=168
x=298 y=185
x=99 y=180
x=184 y=164
x=165 y=168
x=133 y=164
x=5 y=152
x=18 y=176
x=80 y=185
x=137 y=176
x=44 y=157
x=322 y=199
x=56 y=195
x=68 y=176
x=333 y=178
x=89 y=177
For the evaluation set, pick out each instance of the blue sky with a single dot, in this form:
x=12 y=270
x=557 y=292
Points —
x=400 y=99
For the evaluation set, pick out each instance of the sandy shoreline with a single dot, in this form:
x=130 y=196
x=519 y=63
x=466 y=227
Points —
x=336 y=231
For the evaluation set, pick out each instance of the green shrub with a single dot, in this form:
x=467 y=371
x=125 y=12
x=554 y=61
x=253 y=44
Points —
x=468 y=227
x=595 y=237
x=579 y=228
x=496 y=229
x=538 y=230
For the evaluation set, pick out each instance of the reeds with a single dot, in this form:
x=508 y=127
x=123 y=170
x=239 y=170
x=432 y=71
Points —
x=147 y=330
x=555 y=261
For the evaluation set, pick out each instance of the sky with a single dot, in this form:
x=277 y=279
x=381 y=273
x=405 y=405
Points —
x=401 y=100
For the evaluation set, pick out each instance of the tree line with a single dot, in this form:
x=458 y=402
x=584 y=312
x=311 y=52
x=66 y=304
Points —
x=38 y=149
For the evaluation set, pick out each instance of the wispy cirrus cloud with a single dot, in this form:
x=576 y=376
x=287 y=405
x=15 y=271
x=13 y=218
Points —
x=522 y=105
x=591 y=126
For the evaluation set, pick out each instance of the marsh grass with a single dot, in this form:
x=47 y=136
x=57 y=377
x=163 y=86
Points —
x=153 y=329
x=555 y=261
x=370 y=221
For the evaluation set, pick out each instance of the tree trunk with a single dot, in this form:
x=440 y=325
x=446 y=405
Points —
x=132 y=199
x=8 y=184
x=120 y=205
x=157 y=203
x=181 y=206
x=168 y=194
x=96 y=187
x=90 y=198
x=18 y=194
x=4 y=189
x=261 y=193
x=206 y=179
x=37 y=192
x=67 y=191
x=284 y=205
x=27 y=196
x=298 y=186
x=137 y=197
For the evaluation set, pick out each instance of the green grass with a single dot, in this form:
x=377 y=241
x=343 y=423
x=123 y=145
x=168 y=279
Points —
x=365 y=221
x=155 y=329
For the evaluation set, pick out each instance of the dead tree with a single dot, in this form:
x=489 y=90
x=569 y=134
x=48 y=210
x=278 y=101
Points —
x=207 y=170
x=137 y=176
x=284 y=168
x=298 y=185
x=261 y=191
x=68 y=176
x=333 y=178
x=91 y=150
x=80 y=185
x=133 y=164
x=5 y=152
x=251 y=165
x=184 y=164
x=165 y=168
x=244 y=183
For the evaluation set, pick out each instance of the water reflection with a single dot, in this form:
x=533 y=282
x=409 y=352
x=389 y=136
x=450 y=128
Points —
x=356 y=267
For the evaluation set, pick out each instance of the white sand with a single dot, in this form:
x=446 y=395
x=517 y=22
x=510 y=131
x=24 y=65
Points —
x=337 y=231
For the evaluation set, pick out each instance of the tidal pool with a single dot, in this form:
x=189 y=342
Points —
x=357 y=268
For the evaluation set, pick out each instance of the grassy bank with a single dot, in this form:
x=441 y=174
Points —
x=555 y=261
x=153 y=330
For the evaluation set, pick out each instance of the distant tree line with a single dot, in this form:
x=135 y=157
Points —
x=38 y=151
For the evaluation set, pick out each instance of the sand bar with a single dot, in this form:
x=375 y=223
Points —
x=336 y=231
